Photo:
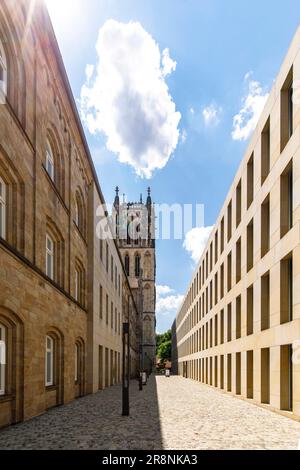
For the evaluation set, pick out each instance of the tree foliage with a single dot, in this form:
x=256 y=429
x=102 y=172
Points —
x=164 y=346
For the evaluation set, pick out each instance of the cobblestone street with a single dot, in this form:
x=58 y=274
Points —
x=172 y=413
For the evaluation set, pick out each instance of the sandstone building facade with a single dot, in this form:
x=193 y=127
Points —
x=134 y=224
x=61 y=297
x=240 y=318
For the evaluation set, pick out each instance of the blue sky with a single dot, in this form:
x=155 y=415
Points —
x=227 y=55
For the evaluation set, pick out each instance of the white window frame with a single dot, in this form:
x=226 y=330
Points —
x=3 y=208
x=76 y=361
x=3 y=340
x=49 y=255
x=3 y=66
x=49 y=355
x=50 y=161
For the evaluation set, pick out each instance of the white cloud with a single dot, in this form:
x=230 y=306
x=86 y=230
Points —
x=168 y=305
x=192 y=111
x=195 y=241
x=128 y=98
x=253 y=103
x=169 y=65
x=212 y=114
x=163 y=290
x=183 y=136
x=89 y=70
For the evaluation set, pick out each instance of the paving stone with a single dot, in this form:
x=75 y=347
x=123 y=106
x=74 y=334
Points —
x=170 y=413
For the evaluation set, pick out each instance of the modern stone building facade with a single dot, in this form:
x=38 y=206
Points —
x=241 y=315
x=135 y=228
x=58 y=341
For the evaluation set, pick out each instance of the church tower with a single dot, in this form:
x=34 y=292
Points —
x=135 y=233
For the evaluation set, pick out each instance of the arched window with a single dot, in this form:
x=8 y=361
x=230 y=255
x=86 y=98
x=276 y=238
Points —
x=49 y=362
x=137 y=265
x=79 y=283
x=79 y=217
x=3 y=73
x=54 y=253
x=50 y=161
x=49 y=257
x=3 y=340
x=2 y=209
x=127 y=264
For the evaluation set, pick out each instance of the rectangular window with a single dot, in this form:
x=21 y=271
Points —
x=222 y=235
x=250 y=310
x=222 y=327
x=49 y=366
x=111 y=269
x=265 y=375
x=210 y=257
x=229 y=373
x=229 y=272
x=287 y=111
x=250 y=247
x=222 y=282
x=238 y=373
x=106 y=309
x=250 y=374
x=3 y=341
x=216 y=288
x=107 y=257
x=216 y=246
x=286 y=289
x=265 y=302
x=265 y=152
x=286 y=200
x=229 y=221
x=265 y=226
x=238 y=198
x=216 y=330
x=229 y=327
x=101 y=247
x=2 y=209
x=238 y=319
x=250 y=180
x=112 y=315
x=101 y=302
x=238 y=260
x=49 y=257
x=286 y=377
x=222 y=372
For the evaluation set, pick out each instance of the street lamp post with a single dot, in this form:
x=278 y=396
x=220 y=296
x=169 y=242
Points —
x=125 y=371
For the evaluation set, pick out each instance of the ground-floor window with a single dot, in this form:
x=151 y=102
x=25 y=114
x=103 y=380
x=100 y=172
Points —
x=49 y=378
x=3 y=336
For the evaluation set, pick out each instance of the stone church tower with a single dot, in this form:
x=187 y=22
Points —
x=135 y=233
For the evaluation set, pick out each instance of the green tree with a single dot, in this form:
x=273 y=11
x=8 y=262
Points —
x=165 y=350
x=162 y=338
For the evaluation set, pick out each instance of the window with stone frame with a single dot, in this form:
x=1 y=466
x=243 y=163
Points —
x=3 y=208
x=3 y=366
x=49 y=361
x=3 y=73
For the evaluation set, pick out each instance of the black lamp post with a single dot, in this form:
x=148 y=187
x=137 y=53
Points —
x=126 y=371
